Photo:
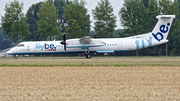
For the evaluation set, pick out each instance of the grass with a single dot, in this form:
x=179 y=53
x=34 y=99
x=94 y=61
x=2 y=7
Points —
x=46 y=62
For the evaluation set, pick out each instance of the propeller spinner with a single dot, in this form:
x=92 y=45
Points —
x=64 y=42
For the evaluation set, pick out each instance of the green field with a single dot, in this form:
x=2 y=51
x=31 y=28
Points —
x=123 y=61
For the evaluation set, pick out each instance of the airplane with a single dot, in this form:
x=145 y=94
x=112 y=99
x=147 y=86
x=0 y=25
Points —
x=101 y=45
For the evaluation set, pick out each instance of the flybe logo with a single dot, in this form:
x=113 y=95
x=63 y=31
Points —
x=163 y=29
x=137 y=42
x=46 y=47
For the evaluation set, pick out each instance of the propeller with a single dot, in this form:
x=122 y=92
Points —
x=64 y=42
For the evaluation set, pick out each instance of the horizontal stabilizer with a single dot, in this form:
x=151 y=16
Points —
x=165 y=16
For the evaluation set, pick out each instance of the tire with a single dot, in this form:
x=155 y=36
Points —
x=88 y=56
x=15 y=57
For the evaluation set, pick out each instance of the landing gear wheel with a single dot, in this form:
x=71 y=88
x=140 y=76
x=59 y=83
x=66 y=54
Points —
x=15 y=57
x=88 y=56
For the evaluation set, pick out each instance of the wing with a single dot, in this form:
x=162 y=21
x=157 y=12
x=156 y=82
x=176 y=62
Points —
x=85 y=39
x=85 y=43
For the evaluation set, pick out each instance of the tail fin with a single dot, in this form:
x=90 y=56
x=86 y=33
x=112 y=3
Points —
x=161 y=29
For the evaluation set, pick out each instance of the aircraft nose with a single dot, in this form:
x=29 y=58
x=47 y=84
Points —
x=9 y=52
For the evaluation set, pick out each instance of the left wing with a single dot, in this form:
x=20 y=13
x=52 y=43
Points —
x=85 y=43
x=85 y=39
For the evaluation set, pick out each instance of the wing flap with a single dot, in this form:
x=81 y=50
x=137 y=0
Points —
x=84 y=47
x=111 y=51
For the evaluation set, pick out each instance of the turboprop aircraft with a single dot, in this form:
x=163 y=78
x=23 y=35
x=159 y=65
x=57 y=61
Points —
x=102 y=45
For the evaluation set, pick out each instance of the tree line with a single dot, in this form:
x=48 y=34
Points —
x=5 y=41
x=49 y=19
x=139 y=16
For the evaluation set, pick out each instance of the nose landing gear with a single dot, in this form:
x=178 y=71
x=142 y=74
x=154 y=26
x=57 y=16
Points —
x=15 y=56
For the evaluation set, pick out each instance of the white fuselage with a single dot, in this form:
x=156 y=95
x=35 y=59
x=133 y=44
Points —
x=111 y=45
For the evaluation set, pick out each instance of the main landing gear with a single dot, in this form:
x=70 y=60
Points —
x=88 y=56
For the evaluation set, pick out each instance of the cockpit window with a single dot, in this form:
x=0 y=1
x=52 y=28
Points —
x=20 y=45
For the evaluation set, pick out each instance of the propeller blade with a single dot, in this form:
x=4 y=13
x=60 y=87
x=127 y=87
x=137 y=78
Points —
x=64 y=41
x=64 y=37
x=65 y=47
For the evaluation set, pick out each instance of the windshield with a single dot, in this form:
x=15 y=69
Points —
x=20 y=45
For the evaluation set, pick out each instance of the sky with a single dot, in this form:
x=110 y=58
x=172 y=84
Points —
x=91 y=4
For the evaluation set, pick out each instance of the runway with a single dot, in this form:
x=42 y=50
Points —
x=133 y=57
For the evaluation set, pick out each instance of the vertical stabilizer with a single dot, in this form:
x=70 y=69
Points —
x=161 y=29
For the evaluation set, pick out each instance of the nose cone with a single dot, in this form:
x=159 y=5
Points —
x=8 y=52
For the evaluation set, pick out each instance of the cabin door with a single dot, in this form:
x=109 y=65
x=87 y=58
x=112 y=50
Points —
x=31 y=47
x=119 y=45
